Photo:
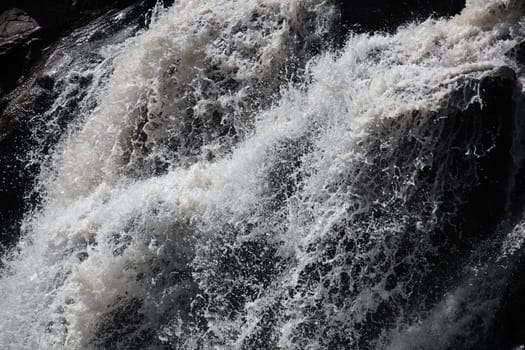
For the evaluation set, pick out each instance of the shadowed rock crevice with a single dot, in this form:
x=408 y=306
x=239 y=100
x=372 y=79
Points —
x=387 y=15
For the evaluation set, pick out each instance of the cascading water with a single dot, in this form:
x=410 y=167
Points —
x=231 y=181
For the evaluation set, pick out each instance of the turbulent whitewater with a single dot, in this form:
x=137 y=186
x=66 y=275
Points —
x=233 y=178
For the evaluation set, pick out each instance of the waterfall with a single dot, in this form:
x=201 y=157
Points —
x=232 y=179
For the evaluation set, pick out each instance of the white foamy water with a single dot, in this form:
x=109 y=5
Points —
x=233 y=189
x=488 y=13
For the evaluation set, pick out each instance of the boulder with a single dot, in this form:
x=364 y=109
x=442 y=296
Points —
x=19 y=40
x=16 y=26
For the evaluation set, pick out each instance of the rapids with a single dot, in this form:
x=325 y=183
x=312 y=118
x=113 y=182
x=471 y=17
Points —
x=232 y=179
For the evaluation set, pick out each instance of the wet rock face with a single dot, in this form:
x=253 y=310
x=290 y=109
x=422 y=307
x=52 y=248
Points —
x=386 y=15
x=15 y=26
x=14 y=181
x=50 y=14
x=508 y=330
x=19 y=43
x=518 y=53
x=480 y=216
x=54 y=15
x=28 y=26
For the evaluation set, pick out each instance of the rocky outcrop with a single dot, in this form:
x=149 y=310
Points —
x=56 y=15
x=16 y=26
x=385 y=15
x=54 y=19
x=19 y=43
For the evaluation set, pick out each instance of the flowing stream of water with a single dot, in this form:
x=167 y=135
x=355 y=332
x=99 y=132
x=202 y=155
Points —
x=229 y=180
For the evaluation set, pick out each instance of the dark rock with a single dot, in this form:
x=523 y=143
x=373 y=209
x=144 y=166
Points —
x=16 y=27
x=497 y=205
x=46 y=82
x=496 y=115
x=41 y=23
x=19 y=41
x=55 y=16
x=518 y=53
x=508 y=330
x=386 y=15
x=13 y=179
